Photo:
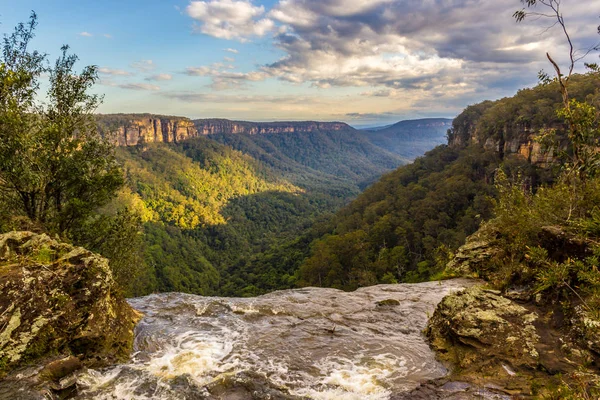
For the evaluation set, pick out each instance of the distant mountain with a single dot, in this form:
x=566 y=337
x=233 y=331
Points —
x=306 y=153
x=412 y=138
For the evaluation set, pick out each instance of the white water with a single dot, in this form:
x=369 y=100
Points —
x=311 y=343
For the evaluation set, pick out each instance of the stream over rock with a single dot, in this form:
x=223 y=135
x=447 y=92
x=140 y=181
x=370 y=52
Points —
x=310 y=343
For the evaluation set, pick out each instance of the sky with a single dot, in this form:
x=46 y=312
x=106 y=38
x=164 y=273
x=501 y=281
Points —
x=365 y=62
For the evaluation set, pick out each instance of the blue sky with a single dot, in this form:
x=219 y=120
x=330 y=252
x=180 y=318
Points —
x=360 y=61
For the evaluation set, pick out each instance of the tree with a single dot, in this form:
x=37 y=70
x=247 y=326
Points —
x=55 y=168
x=554 y=13
x=581 y=158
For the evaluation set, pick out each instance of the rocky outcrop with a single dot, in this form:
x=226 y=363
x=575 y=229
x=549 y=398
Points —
x=223 y=126
x=490 y=340
x=59 y=311
x=474 y=258
x=519 y=141
x=125 y=130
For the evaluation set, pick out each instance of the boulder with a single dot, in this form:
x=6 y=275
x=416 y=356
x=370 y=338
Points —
x=60 y=309
x=489 y=340
x=473 y=258
x=482 y=322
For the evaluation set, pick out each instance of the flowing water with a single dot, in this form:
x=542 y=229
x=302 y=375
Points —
x=306 y=343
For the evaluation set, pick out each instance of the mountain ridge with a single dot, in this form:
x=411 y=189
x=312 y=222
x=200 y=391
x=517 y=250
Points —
x=410 y=138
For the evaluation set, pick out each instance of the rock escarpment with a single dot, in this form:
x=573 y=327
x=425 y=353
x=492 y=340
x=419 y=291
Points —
x=136 y=129
x=223 y=126
x=59 y=311
x=131 y=130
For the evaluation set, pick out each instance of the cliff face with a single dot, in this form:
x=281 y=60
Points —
x=134 y=129
x=139 y=129
x=223 y=126
x=519 y=140
x=509 y=125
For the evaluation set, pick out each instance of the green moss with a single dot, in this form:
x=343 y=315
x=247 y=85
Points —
x=44 y=255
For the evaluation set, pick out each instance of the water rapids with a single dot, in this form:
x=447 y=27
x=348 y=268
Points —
x=309 y=343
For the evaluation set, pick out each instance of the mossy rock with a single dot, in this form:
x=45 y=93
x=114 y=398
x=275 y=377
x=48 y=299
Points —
x=486 y=338
x=59 y=300
x=474 y=257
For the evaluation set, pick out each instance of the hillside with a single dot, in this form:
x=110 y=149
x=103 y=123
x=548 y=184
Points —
x=206 y=207
x=406 y=226
x=309 y=154
x=412 y=138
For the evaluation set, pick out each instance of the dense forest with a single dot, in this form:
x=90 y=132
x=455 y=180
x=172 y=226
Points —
x=407 y=225
x=335 y=161
x=205 y=207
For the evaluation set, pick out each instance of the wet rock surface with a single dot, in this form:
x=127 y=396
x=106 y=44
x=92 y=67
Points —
x=59 y=312
x=312 y=343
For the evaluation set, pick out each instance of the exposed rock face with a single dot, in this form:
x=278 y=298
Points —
x=223 y=126
x=473 y=258
x=134 y=130
x=59 y=309
x=500 y=344
x=483 y=323
x=518 y=141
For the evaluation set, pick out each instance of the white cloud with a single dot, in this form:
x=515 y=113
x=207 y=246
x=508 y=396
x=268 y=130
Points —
x=454 y=45
x=230 y=19
x=85 y=34
x=224 y=79
x=139 y=86
x=113 y=72
x=229 y=59
x=144 y=65
x=160 y=77
x=230 y=50
x=108 y=36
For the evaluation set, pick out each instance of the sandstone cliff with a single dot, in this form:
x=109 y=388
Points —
x=224 y=126
x=131 y=130
x=518 y=139
x=134 y=129
x=510 y=125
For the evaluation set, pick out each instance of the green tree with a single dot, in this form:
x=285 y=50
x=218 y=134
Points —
x=55 y=168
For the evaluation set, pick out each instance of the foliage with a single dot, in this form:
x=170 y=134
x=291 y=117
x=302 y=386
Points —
x=399 y=227
x=54 y=167
x=56 y=171
x=217 y=221
x=333 y=162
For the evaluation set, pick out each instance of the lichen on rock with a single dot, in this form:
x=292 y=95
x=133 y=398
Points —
x=473 y=258
x=57 y=300
x=488 y=339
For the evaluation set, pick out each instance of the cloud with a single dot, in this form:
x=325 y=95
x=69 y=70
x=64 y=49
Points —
x=223 y=78
x=144 y=65
x=138 y=86
x=202 y=97
x=108 y=36
x=230 y=50
x=113 y=72
x=229 y=59
x=455 y=45
x=230 y=19
x=370 y=116
x=85 y=34
x=160 y=77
